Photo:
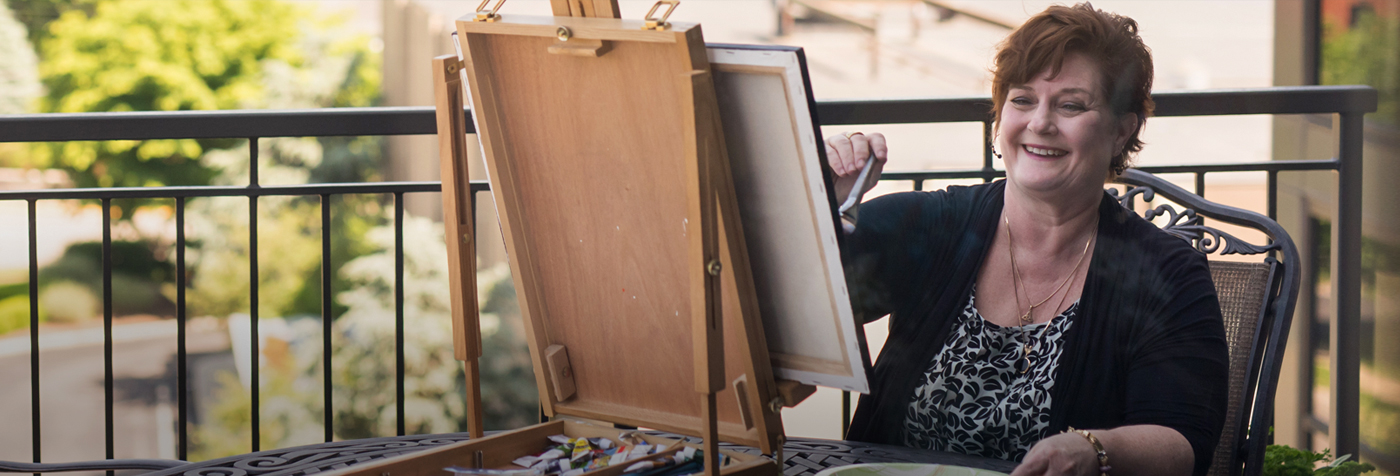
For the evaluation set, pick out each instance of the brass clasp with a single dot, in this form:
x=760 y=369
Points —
x=488 y=16
x=660 y=24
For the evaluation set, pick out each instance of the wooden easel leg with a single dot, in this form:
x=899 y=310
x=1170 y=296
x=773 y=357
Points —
x=475 y=425
x=711 y=444
x=460 y=226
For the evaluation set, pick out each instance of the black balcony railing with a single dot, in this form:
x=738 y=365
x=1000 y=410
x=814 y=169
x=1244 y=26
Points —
x=1347 y=103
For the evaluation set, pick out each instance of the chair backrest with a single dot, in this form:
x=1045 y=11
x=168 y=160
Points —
x=1256 y=300
x=1243 y=292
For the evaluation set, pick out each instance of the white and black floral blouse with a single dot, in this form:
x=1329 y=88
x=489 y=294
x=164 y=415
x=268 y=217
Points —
x=974 y=400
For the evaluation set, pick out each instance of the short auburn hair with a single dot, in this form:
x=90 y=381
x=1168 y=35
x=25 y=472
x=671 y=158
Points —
x=1111 y=41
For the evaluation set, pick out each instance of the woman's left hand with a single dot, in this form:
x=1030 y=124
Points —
x=1063 y=454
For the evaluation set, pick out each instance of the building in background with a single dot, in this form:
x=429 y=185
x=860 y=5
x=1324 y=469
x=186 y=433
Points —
x=1342 y=42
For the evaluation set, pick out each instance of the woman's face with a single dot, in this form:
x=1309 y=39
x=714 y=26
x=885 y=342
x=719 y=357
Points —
x=1059 y=134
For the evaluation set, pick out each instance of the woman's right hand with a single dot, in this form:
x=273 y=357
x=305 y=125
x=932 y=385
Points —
x=847 y=154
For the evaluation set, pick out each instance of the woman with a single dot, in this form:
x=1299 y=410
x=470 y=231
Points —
x=1022 y=308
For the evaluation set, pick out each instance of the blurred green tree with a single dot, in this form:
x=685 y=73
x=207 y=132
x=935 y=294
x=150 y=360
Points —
x=157 y=55
x=1367 y=52
x=168 y=55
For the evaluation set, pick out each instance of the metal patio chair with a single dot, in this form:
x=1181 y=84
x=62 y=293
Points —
x=1256 y=299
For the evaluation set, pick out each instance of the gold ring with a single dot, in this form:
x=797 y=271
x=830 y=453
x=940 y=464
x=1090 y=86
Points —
x=848 y=134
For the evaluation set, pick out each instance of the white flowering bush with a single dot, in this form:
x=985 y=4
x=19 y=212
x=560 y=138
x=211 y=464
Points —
x=363 y=360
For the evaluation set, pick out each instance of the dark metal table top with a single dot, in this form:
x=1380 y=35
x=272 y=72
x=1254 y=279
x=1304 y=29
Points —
x=802 y=456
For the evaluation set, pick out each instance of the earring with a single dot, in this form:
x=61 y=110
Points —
x=995 y=153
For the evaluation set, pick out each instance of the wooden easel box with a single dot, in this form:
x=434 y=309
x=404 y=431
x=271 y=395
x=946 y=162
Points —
x=627 y=139
x=497 y=451
x=612 y=185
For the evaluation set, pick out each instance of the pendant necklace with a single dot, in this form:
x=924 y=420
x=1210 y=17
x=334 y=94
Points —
x=1023 y=364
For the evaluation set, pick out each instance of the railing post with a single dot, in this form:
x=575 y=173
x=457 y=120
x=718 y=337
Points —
x=1346 y=291
x=34 y=330
x=255 y=350
x=398 y=315
x=327 y=316
x=108 y=378
x=182 y=351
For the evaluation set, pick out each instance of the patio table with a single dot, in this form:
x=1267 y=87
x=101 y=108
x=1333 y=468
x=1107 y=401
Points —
x=802 y=456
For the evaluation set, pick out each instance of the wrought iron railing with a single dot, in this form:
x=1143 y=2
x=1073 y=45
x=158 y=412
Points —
x=1348 y=103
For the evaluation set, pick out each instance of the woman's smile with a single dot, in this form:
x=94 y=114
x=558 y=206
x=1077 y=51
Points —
x=1044 y=151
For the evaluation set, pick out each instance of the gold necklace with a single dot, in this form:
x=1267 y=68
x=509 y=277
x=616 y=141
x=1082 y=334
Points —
x=1023 y=364
x=1016 y=273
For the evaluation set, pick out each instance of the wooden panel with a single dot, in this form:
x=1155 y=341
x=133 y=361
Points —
x=496 y=451
x=585 y=8
x=588 y=159
x=597 y=186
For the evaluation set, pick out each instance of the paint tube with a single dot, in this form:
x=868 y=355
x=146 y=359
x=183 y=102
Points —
x=581 y=449
x=639 y=451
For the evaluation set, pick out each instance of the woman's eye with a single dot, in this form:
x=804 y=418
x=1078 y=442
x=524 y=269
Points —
x=1021 y=101
x=1073 y=107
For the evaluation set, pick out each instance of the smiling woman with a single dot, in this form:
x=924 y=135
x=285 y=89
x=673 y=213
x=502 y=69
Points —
x=1023 y=309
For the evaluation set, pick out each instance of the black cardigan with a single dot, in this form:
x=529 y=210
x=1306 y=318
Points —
x=1148 y=347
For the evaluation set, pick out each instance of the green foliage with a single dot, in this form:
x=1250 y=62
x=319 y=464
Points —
x=167 y=55
x=289 y=250
x=14 y=289
x=289 y=255
x=137 y=276
x=1281 y=460
x=1366 y=53
x=1380 y=421
x=157 y=55
x=14 y=314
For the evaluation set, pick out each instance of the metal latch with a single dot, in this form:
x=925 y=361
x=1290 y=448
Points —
x=660 y=24
x=482 y=14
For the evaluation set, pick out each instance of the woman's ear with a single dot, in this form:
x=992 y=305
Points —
x=1127 y=125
